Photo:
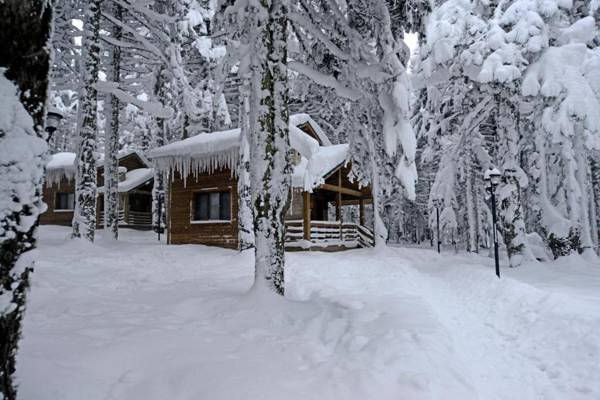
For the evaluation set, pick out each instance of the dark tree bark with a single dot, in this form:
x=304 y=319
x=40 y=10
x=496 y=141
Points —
x=24 y=60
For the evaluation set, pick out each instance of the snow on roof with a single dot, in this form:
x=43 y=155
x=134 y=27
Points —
x=122 y=154
x=133 y=179
x=301 y=119
x=61 y=160
x=312 y=172
x=60 y=165
x=207 y=152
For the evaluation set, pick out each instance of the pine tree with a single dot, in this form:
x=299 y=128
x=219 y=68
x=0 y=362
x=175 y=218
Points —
x=24 y=65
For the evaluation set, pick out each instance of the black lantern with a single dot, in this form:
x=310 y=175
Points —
x=53 y=118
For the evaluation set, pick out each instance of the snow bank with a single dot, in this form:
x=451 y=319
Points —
x=137 y=319
x=140 y=320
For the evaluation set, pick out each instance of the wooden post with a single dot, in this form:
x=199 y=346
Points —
x=306 y=214
x=126 y=208
x=361 y=212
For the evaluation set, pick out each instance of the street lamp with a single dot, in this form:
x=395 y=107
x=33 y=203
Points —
x=437 y=203
x=161 y=200
x=492 y=179
x=53 y=117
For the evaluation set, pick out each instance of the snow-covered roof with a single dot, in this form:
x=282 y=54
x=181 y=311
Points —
x=122 y=154
x=301 y=119
x=61 y=165
x=207 y=152
x=310 y=173
x=133 y=179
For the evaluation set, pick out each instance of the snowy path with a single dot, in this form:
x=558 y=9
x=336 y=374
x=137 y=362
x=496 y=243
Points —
x=141 y=320
x=539 y=341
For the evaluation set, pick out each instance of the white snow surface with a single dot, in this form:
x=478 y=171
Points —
x=133 y=179
x=137 y=319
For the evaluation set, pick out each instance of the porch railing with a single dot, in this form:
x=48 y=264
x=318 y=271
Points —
x=139 y=218
x=133 y=218
x=323 y=232
x=121 y=217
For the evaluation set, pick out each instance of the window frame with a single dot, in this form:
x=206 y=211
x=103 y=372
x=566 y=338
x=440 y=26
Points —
x=61 y=210
x=193 y=221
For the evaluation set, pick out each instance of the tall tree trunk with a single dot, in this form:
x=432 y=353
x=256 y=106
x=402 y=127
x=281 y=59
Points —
x=24 y=65
x=245 y=219
x=472 y=208
x=111 y=143
x=595 y=203
x=511 y=217
x=269 y=148
x=84 y=222
x=160 y=139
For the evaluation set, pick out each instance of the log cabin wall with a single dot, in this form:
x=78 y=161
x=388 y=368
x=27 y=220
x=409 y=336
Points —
x=182 y=229
x=53 y=216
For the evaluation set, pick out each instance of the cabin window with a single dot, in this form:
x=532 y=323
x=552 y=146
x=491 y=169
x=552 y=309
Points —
x=212 y=206
x=64 y=201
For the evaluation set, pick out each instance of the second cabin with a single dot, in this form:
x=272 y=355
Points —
x=136 y=181
x=202 y=204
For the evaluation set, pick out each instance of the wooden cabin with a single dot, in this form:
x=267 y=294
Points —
x=59 y=190
x=202 y=204
x=136 y=181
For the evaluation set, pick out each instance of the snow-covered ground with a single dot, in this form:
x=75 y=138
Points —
x=141 y=320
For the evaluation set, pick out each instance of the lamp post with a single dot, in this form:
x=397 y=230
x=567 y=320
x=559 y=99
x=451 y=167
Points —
x=437 y=204
x=161 y=199
x=492 y=179
x=53 y=117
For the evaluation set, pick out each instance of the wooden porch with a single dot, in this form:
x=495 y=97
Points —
x=314 y=231
x=327 y=236
x=135 y=210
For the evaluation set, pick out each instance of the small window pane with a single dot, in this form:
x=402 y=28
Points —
x=214 y=205
x=64 y=201
x=201 y=207
x=224 y=211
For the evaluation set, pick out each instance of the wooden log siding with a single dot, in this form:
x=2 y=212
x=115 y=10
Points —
x=183 y=230
x=61 y=217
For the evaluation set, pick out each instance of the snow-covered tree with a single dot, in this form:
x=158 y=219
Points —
x=84 y=220
x=369 y=73
x=24 y=68
x=111 y=141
